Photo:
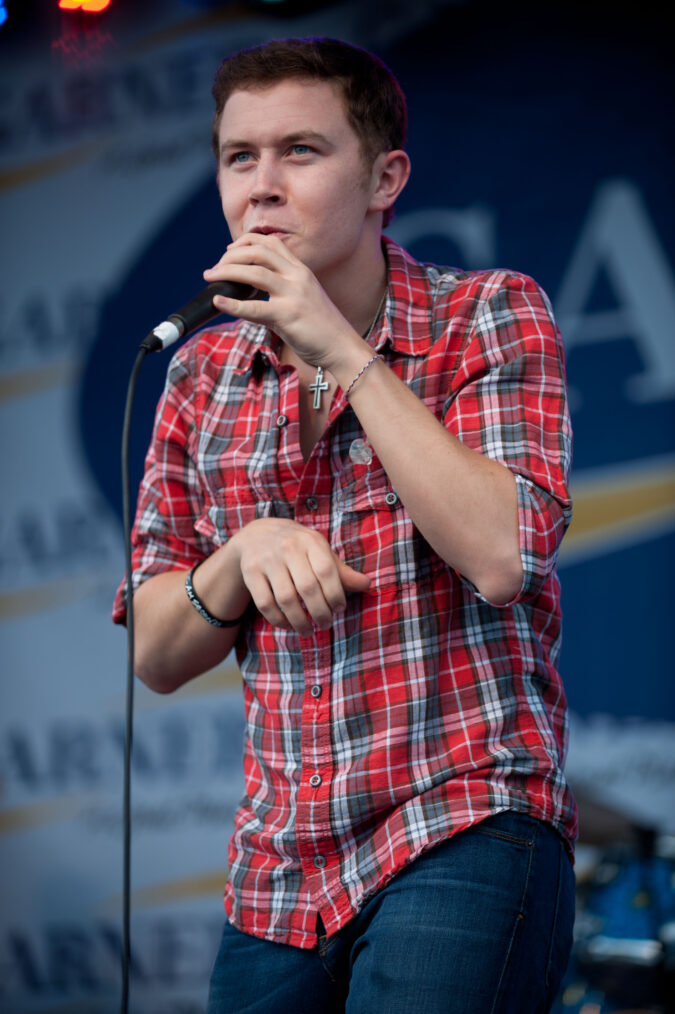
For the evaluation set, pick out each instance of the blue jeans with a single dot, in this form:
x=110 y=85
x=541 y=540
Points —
x=480 y=924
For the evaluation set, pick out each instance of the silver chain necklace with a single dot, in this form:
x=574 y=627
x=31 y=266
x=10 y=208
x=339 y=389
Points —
x=319 y=385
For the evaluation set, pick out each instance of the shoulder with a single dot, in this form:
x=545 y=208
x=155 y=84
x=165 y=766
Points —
x=444 y=286
x=433 y=306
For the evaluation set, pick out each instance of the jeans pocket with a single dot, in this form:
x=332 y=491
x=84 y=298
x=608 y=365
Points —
x=509 y=826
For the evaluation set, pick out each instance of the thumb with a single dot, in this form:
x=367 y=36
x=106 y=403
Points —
x=352 y=580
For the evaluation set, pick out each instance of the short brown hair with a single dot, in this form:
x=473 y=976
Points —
x=374 y=103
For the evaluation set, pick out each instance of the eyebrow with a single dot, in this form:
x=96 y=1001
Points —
x=295 y=138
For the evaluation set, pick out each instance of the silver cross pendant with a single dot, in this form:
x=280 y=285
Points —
x=318 y=386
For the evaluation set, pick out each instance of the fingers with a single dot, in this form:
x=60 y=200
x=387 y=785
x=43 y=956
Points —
x=256 y=259
x=323 y=594
x=263 y=265
x=295 y=592
x=298 y=309
x=294 y=578
x=352 y=580
x=256 y=275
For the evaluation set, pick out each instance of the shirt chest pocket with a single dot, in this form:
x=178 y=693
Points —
x=374 y=532
x=365 y=487
x=239 y=484
x=224 y=514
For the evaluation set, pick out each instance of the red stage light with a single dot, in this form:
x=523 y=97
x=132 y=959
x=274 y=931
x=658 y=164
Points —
x=93 y=6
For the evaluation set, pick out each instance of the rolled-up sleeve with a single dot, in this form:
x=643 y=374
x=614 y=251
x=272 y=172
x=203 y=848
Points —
x=170 y=497
x=508 y=401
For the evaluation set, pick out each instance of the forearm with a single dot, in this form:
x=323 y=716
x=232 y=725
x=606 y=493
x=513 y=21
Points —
x=289 y=571
x=463 y=503
x=173 y=642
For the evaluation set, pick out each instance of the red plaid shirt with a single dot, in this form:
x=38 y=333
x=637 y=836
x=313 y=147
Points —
x=425 y=708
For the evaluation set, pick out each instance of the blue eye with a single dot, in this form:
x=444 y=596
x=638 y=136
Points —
x=301 y=149
x=241 y=156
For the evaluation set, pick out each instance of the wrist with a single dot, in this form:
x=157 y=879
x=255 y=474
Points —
x=219 y=586
x=351 y=360
x=200 y=606
x=371 y=362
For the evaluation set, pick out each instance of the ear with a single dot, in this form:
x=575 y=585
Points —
x=391 y=170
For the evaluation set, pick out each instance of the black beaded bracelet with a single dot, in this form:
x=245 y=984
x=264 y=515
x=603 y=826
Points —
x=201 y=608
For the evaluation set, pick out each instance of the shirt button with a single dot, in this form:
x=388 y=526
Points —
x=319 y=862
x=282 y=419
x=315 y=781
x=391 y=498
x=311 y=503
x=315 y=690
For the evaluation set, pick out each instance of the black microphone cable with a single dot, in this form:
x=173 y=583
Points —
x=129 y=712
x=193 y=315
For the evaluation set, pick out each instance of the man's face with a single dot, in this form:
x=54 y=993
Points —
x=290 y=164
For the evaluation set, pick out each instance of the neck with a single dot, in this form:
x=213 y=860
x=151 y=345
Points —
x=357 y=292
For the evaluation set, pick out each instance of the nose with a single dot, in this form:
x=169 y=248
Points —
x=266 y=183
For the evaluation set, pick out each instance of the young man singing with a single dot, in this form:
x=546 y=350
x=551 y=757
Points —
x=360 y=485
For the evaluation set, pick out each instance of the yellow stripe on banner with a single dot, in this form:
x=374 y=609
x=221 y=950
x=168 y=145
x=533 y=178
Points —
x=180 y=890
x=23 y=602
x=23 y=818
x=624 y=503
x=33 y=171
x=224 y=677
x=196 y=23
x=42 y=378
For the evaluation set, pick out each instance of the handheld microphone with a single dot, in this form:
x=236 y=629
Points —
x=198 y=311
